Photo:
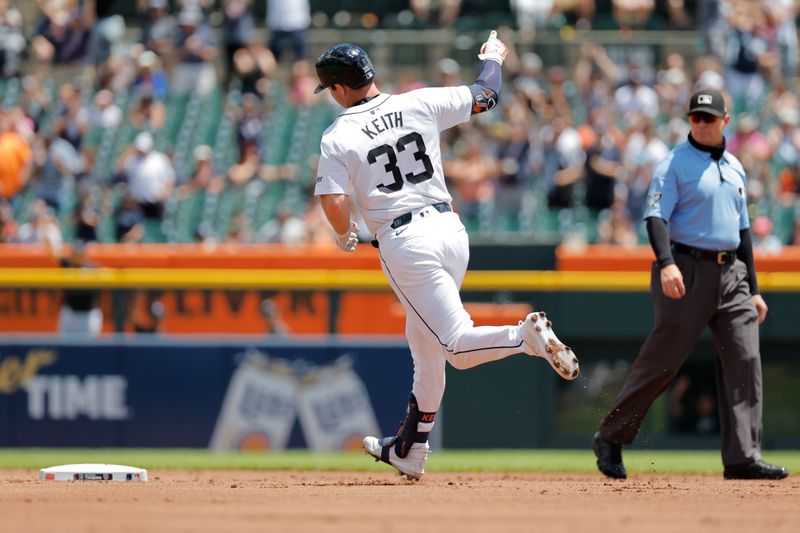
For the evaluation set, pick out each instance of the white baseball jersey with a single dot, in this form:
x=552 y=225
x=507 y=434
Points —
x=386 y=153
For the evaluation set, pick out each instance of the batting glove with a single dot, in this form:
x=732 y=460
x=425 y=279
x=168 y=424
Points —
x=493 y=49
x=348 y=240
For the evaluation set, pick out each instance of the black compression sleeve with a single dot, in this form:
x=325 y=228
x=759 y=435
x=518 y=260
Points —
x=659 y=239
x=745 y=253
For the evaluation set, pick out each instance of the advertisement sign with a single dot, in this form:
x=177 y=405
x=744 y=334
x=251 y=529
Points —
x=267 y=394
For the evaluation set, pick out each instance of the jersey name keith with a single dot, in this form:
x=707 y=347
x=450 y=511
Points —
x=385 y=122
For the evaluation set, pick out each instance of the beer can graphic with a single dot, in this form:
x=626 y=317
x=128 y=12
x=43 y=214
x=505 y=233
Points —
x=258 y=411
x=334 y=408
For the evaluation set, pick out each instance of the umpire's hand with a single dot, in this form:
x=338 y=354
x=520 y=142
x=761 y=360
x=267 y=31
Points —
x=672 y=282
x=761 y=307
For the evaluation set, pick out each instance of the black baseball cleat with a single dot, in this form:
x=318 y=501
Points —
x=609 y=457
x=755 y=470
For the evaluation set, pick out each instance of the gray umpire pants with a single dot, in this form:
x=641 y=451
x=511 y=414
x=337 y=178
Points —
x=716 y=296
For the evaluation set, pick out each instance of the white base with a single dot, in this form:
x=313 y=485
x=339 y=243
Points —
x=93 y=472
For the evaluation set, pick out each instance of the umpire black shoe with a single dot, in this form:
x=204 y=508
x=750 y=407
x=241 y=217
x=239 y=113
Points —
x=609 y=457
x=756 y=470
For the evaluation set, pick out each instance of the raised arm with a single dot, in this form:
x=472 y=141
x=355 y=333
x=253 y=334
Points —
x=486 y=89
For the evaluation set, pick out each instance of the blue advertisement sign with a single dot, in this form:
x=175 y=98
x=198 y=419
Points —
x=148 y=392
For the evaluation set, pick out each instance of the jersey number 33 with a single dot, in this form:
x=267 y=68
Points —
x=390 y=155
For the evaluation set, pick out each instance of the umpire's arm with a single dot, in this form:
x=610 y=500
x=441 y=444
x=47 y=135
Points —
x=745 y=254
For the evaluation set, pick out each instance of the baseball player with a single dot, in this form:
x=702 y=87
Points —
x=383 y=150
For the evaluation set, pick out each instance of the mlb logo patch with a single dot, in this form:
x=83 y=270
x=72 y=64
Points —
x=704 y=99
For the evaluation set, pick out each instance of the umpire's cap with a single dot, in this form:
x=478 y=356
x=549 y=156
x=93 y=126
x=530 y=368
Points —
x=346 y=64
x=707 y=101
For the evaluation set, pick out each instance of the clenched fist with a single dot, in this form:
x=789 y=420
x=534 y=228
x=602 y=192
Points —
x=493 y=49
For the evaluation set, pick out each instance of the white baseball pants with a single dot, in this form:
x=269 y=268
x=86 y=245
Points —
x=425 y=262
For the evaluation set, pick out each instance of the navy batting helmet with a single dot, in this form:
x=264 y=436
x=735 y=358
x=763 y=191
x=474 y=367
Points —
x=346 y=64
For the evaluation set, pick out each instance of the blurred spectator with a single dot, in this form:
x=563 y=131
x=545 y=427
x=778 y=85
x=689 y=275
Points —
x=254 y=66
x=764 y=241
x=595 y=75
x=128 y=220
x=449 y=72
x=249 y=120
x=12 y=40
x=148 y=114
x=748 y=139
x=319 y=231
x=240 y=230
x=784 y=137
x=672 y=86
x=784 y=15
x=247 y=168
x=41 y=227
x=632 y=14
x=56 y=180
x=238 y=28
x=104 y=113
x=195 y=51
x=107 y=28
x=80 y=309
x=158 y=26
x=472 y=174
x=562 y=97
x=204 y=178
x=8 y=226
x=285 y=228
x=512 y=156
x=72 y=120
x=531 y=16
x=564 y=160
x=288 y=21
x=635 y=96
x=150 y=79
x=408 y=79
x=603 y=163
x=36 y=101
x=529 y=80
x=150 y=176
x=87 y=216
x=789 y=184
x=62 y=34
x=616 y=227
x=435 y=13
x=303 y=83
x=16 y=158
x=752 y=47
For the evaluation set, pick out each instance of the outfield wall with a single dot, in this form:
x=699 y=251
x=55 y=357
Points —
x=325 y=393
x=140 y=392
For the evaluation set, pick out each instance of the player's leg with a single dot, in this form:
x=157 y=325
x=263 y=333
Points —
x=425 y=266
x=408 y=450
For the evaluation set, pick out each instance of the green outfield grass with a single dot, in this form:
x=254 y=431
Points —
x=441 y=461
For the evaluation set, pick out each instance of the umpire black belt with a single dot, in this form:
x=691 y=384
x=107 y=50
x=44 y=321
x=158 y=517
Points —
x=405 y=218
x=725 y=257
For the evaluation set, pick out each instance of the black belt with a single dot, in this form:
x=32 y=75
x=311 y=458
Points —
x=405 y=218
x=725 y=257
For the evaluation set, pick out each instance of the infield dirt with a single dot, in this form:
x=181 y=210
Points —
x=294 y=502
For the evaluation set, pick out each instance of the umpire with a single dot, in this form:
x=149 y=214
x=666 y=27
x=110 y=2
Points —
x=704 y=275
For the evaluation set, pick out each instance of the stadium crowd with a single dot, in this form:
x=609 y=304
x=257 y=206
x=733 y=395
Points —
x=184 y=125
